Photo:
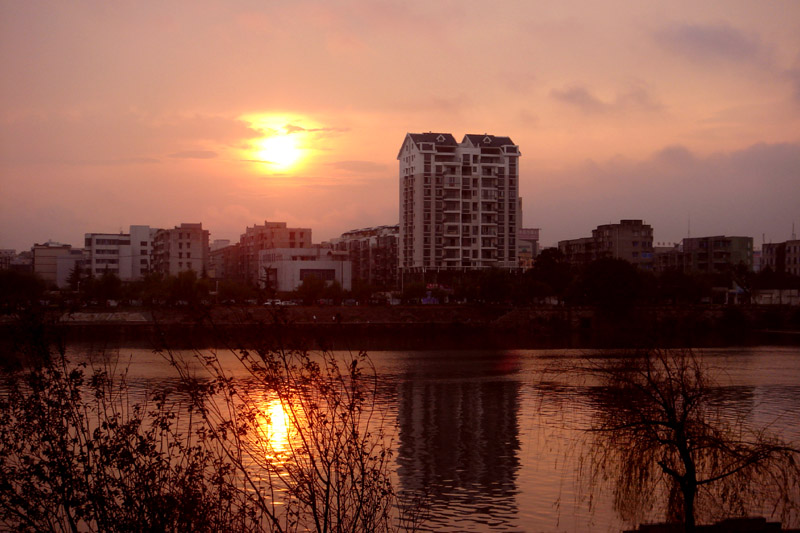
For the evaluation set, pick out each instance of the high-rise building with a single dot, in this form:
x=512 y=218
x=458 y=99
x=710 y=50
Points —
x=459 y=203
x=182 y=248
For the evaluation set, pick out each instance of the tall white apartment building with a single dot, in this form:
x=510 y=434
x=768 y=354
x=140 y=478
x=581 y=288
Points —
x=459 y=202
x=125 y=254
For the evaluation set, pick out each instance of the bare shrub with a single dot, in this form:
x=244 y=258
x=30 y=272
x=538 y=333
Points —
x=307 y=434
x=76 y=455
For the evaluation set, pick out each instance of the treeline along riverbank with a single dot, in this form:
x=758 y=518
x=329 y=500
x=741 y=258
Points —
x=429 y=327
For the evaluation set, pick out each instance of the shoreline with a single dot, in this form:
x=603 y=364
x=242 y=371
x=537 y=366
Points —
x=428 y=327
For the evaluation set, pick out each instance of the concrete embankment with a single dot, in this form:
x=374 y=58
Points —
x=431 y=327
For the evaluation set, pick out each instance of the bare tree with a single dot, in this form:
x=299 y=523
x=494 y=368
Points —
x=661 y=430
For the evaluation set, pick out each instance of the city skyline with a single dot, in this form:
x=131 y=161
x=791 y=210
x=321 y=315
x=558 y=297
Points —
x=230 y=114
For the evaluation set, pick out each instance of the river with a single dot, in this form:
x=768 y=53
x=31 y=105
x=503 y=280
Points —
x=497 y=440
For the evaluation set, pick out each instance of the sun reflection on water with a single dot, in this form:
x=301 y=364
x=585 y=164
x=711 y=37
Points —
x=276 y=428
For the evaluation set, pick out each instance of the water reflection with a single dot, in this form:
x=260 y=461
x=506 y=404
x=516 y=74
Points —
x=459 y=443
x=274 y=428
x=496 y=442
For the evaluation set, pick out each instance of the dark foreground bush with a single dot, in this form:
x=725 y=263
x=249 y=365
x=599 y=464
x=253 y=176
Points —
x=77 y=453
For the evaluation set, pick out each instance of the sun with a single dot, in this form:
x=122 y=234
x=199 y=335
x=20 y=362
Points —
x=278 y=151
x=282 y=144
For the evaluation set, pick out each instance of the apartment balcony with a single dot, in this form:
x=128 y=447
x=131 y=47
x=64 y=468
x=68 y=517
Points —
x=452 y=207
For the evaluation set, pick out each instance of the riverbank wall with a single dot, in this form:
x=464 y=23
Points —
x=426 y=327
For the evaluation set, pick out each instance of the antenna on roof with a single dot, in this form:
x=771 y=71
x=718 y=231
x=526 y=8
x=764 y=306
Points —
x=689 y=227
x=794 y=235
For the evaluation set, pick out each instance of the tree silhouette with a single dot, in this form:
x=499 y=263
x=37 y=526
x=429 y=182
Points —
x=661 y=429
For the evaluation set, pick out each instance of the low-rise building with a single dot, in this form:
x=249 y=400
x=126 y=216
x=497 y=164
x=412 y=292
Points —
x=286 y=268
x=181 y=249
x=264 y=237
x=631 y=240
x=45 y=259
x=782 y=257
x=66 y=265
x=527 y=247
x=127 y=255
x=6 y=256
x=373 y=254
x=716 y=254
x=668 y=256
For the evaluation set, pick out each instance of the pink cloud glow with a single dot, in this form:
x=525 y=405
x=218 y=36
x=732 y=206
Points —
x=122 y=113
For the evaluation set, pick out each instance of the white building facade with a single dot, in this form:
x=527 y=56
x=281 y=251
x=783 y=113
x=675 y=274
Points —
x=286 y=268
x=459 y=202
x=126 y=255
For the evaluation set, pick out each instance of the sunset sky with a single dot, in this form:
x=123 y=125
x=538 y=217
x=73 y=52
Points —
x=683 y=113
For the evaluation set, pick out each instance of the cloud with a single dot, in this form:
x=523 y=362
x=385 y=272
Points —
x=674 y=156
x=292 y=128
x=108 y=136
x=711 y=43
x=194 y=154
x=121 y=161
x=581 y=98
x=635 y=98
x=793 y=75
x=360 y=167
x=742 y=192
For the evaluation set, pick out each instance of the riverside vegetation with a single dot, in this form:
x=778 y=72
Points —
x=78 y=453
x=299 y=443
x=662 y=434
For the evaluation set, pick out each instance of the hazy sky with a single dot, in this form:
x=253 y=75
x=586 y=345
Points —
x=120 y=113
